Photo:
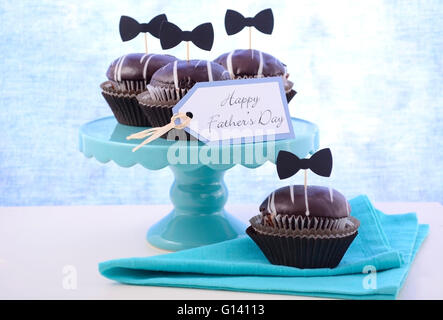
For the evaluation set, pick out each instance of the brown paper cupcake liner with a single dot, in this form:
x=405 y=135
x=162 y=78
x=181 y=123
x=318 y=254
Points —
x=118 y=89
x=131 y=85
x=157 y=103
x=302 y=252
x=126 y=109
x=124 y=105
x=290 y=95
x=283 y=225
x=158 y=115
x=165 y=94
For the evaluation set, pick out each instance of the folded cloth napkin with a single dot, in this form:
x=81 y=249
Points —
x=374 y=267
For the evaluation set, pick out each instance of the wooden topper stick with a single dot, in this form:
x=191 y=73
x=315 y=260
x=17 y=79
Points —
x=146 y=43
x=250 y=38
x=306 y=192
x=187 y=51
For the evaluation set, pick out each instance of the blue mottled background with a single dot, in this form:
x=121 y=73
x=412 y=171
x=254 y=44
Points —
x=369 y=73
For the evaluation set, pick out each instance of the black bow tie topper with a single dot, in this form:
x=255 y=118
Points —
x=289 y=164
x=235 y=22
x=202 y=36
x=130 y=28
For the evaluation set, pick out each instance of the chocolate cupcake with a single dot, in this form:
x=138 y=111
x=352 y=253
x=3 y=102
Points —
x=170 y=83
x=311 y=230
x=251 y=63
x=128 y=76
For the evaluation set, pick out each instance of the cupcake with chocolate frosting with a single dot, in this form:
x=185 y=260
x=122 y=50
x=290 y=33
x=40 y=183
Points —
x=127 y=77
x=251 y=63
x=311 y=229
x=170 y=83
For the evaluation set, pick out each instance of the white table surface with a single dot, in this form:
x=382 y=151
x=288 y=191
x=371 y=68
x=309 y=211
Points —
x=36 y=243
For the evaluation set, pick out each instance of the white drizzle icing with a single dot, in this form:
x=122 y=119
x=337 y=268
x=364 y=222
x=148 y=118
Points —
x=331 y=194
x=271 y=204
x=209 y=67
x=116 y=68
x=291 y=191
x=143 y=56
x=174 y=72
x=145 y=68
x=347 y=209
x=229 y=64
x=260 y=66
x=273 y=209
x=306 y=201
x=119 y=72
x=196 y=65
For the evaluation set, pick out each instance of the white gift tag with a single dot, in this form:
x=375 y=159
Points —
x=237 y=111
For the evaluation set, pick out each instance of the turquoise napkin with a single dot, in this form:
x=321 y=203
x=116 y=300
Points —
x=387 y=243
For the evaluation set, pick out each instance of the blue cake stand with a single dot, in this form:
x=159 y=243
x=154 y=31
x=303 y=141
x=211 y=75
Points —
x=198 y=192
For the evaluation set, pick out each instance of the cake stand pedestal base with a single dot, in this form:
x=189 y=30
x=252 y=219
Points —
x=198 y=217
